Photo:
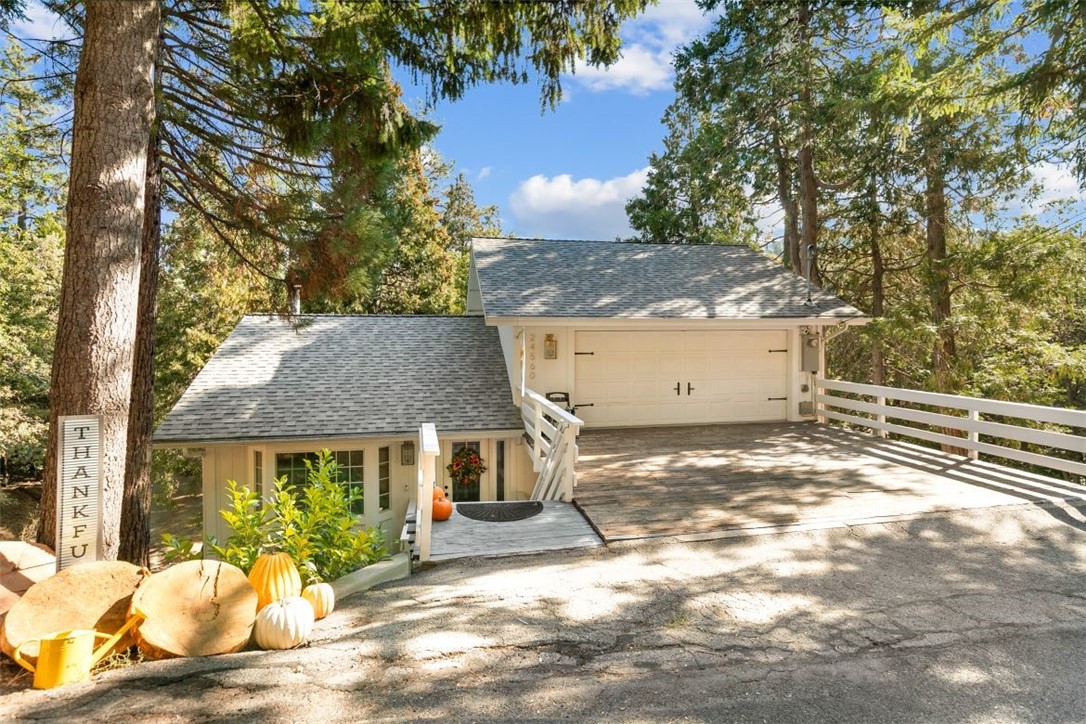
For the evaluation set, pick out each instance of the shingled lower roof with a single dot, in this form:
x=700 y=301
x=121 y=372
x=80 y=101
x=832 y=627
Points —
x=587 y=279
x=333 y=376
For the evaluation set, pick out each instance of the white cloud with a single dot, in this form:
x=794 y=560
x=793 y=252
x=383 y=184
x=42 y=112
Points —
x=484 y=172
x=640 y=71
x=562 y=207
x=40 y=24
x=1058 y=183
x=649 y=42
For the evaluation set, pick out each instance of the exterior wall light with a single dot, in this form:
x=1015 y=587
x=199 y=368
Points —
x=407 y=453
x=550 y=347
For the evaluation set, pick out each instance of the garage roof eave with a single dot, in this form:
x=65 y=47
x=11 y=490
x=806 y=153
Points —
x=657 y=322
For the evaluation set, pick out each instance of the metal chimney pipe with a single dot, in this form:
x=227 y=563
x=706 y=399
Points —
x=296 y=299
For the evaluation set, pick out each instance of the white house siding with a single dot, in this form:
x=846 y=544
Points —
x=560 y=374
x=236 y=462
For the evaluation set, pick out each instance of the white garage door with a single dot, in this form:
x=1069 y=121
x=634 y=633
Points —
x=660 y=378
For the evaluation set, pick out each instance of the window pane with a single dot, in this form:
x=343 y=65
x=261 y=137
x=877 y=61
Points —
x=356 y=457
x=383 y=478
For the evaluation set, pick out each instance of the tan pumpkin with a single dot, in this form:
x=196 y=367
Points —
x=284 y=624
x=321 y=597
x=274 y=576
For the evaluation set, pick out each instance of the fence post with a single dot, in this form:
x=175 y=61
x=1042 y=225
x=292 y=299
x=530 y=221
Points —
x=881 y=418
x=974 y=436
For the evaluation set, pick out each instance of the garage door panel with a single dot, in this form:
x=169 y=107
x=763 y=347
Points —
x=630 y=378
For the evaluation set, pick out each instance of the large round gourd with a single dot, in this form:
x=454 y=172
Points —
x=274 y=576
x=321 y=597
x=195 y=608
x=284 y=624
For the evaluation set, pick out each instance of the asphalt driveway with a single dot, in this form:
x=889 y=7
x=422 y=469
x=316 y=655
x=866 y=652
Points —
x=971 y=616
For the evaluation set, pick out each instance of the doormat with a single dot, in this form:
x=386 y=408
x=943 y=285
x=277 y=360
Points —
x=500 y=512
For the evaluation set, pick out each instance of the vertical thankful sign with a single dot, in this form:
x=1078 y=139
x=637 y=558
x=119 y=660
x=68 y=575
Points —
x=80 y=488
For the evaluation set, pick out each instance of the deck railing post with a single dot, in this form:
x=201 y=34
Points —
x=570 y=479
x=881 y=417
x=537 y=423
x=974 y=436
x=426 y=479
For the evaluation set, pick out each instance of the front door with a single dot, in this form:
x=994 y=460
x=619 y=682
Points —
x=467 y=493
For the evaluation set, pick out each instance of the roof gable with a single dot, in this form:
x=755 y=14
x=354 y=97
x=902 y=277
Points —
x=327 y=376
x=623 y=280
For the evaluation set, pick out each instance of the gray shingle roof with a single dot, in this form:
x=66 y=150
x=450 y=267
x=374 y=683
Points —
x=534 y=278
x=344 y=376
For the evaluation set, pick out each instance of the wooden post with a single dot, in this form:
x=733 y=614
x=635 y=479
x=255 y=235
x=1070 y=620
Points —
x=881 y=417
x=427 y=477
x=570 y=477
x=974 y=436
x=537 y=423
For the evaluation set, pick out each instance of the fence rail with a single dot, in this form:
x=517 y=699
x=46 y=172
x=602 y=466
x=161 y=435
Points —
x=877 y=415
x=552 y=436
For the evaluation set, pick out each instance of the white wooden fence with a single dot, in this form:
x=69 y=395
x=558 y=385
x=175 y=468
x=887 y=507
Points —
x=877 y=413
x=552 y=434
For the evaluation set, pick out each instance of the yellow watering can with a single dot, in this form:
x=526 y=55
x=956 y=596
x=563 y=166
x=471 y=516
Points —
x=66 y=657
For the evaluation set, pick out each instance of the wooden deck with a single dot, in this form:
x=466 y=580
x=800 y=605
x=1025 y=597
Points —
x=559 y=526
x=731 y=480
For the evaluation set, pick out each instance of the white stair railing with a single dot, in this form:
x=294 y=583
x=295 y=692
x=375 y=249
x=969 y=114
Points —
x=876 y=413
x=552 y=436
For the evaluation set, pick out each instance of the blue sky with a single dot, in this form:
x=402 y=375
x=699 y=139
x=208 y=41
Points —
x=569 y=172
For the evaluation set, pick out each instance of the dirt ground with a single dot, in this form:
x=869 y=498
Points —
x=183 y=516
x=18 y=509
x=972 y=616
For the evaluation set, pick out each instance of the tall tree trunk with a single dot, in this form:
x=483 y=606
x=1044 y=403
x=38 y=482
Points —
x=935 y=208
x=136 y=505
x=808 y=186
x=792 y=257
x=96 y=327
x=878 y=274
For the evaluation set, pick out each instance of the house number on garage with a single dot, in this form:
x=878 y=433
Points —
x=79 y=490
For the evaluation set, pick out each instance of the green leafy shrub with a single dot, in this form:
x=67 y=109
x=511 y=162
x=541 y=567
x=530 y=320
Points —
x=312 y=523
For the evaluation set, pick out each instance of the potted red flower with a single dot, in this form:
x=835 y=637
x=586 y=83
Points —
x=466 y=467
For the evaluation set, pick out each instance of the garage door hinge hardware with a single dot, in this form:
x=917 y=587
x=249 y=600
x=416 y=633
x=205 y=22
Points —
x=776 y=398
x=778 y=350
x=584 y=353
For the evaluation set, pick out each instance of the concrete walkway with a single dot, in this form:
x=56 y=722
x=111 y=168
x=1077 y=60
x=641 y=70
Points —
x=559 y=526
x=711 y=480
x=972 y=616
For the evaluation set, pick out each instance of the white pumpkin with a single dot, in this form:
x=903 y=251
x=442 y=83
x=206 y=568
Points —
x=284 y=624
x=322 y=597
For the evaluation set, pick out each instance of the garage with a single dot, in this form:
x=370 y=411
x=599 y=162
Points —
x=624 y=378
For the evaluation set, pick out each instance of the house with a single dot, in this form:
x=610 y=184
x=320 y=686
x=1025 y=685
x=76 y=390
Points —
x=620 y=334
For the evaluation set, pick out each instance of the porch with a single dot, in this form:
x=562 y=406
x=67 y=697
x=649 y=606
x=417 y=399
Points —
x=735 y=480
x=557 y=526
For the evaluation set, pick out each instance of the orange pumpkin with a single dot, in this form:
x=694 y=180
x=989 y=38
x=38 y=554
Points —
x=443 y=508
x=274 y=576
x=439 y=493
